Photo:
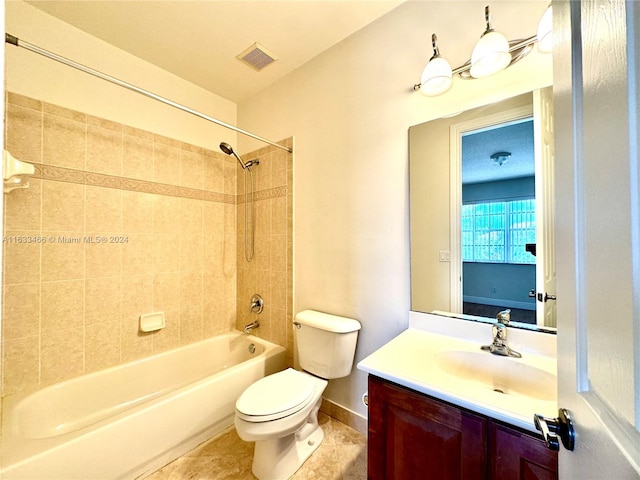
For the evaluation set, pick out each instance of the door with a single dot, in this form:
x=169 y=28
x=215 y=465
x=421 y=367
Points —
x=598 y=234
x=545 y=207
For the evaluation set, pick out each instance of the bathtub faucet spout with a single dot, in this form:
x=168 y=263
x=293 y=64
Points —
x=251 y=326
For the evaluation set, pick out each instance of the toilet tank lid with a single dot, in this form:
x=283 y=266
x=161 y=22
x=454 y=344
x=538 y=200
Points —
x=327 y=322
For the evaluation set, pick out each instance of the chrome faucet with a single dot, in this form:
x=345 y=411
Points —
x=499 y=345
x=250 y=326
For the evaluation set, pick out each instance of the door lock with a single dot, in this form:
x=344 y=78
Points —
x=546 y=297
x=553 y=429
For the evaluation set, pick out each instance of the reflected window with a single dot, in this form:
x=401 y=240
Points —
x=497 y=232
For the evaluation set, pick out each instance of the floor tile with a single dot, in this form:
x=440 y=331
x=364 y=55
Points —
x=341 y=456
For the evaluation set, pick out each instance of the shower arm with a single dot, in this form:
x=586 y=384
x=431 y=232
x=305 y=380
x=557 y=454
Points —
x=78 y=66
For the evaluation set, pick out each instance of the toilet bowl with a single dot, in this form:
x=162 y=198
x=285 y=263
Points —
x=280 y=411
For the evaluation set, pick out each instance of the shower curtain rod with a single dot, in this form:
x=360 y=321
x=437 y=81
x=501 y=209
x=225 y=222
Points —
x=53 y=56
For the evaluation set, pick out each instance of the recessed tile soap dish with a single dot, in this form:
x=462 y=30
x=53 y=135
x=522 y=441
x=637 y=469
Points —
x=150 y=322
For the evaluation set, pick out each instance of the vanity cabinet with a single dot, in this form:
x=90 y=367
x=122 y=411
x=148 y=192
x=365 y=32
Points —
x=414 y=436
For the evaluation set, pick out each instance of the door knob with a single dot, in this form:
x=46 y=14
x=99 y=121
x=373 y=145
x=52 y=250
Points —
x=553 y=429
x=546 y=297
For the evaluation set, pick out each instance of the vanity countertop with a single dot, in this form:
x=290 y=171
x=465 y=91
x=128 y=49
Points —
x=456 y=370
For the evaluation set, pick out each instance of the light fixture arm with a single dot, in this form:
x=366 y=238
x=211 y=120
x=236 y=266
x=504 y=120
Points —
x=487 y=18
x=434 y=43
x=514 y=46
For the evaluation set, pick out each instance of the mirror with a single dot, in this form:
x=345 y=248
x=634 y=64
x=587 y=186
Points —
x=476 y=222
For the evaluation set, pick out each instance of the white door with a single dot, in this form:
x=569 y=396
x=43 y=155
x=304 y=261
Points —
x=545 y=207
x=598 y=234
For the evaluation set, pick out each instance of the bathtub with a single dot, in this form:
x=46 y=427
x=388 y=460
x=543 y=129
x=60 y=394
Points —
x=127 y=421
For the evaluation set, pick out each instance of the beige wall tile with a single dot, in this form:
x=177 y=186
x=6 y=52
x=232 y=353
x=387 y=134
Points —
x=279 y=253
x=137 y=212
x=262 y=172
x=49 y=108
x=137 y=157
x=20 y=364
x=279 y=215
x=278 y=163
x=263 y=217
x=104 y=151
x=102 y=259
x=166 y=291
x=21 y=260
x=103 y=300
x=190 y=324
x=63 y=259
x=169 y=336
x=24 y=133
x=21 y=311
x=62 y=206
x=165 y=252
x=22 y=207
x=166 y=214
x=191 y=252
x=102 y=345
x=64 y=142
x=190 y=288
x=213 y=173
x=278 y=282
x=23 y=101
x=137 y=296
x=62 y=306
x=190 y=216
x=191 y=169
x=166 y=164
x=137 y=254
x=134 y=343
x=213 y=218
x=230 y=173
x=103 y=210
x=61 y=355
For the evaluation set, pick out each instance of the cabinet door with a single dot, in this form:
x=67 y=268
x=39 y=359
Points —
x=515 y=454
x=412 y=436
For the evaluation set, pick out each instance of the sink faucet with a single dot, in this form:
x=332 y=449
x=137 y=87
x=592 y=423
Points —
x=251 y=326
x=499 y=345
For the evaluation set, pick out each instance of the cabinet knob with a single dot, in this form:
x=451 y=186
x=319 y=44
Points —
x=557 y=429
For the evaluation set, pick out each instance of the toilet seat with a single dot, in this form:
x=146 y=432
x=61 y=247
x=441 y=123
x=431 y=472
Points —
x=275 y=396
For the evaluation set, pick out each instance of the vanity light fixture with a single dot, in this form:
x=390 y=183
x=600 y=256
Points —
x=436 y=76
x=492 y=54
x=500 y=158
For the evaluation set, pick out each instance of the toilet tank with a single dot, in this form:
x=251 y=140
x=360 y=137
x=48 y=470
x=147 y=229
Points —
x=326 y=343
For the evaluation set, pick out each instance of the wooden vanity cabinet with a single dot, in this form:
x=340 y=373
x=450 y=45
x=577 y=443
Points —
x=414 y=436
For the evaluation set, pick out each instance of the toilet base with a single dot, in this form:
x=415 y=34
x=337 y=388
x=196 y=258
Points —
x=280 y=458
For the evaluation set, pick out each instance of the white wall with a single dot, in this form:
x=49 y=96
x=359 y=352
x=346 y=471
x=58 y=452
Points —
x=38 y=77
x=349 y=110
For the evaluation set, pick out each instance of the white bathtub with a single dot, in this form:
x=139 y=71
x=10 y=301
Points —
x=128 y=421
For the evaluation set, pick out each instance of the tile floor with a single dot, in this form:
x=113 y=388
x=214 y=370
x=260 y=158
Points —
x=342 y=456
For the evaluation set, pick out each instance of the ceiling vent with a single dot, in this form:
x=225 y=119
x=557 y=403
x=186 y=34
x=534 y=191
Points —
x=256 y=57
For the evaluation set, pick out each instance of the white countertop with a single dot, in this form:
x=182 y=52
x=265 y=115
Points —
x=414 y=359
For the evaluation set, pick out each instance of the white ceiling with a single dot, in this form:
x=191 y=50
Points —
x=199 y=40
x=477 y=148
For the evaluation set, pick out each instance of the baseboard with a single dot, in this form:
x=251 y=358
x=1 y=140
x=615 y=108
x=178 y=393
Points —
x=344 y=415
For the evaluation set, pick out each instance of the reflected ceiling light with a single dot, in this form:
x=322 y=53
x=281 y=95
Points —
x=492 y=54
x=500 y=158
x=436 y=76
x=543 y=35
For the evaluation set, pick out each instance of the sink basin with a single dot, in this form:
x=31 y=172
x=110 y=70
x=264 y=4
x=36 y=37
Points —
x=503 y=375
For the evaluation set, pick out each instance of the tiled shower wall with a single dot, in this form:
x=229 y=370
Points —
x=116 y=222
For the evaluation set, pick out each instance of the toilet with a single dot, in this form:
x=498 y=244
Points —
x=280 y=411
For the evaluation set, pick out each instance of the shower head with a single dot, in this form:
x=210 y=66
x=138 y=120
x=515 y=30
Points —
x=228 y=149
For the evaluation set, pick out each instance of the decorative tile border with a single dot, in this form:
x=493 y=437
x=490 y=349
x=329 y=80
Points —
x=267 y=194
x=61 y=174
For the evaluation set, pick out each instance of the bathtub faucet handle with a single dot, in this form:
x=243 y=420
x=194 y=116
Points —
x=257 y=304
